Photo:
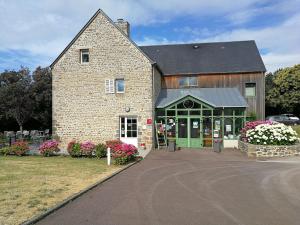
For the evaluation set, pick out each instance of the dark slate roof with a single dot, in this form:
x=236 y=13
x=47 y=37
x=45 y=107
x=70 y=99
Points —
x=216 y=97
x=200 y=58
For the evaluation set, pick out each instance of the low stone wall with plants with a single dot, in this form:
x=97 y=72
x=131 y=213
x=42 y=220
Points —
x=269 y=150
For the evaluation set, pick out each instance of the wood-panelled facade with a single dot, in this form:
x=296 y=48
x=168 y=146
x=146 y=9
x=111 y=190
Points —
x=238 y=80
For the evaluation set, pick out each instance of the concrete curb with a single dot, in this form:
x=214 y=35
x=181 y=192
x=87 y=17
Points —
x=75 y=196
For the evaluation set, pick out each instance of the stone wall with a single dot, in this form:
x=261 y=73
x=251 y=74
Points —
x=269 y=150
x=81 y=108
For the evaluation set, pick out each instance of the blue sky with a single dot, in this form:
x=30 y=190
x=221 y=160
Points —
x=34 y=32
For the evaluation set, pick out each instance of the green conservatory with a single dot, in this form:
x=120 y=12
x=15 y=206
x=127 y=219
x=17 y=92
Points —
x=194 y=119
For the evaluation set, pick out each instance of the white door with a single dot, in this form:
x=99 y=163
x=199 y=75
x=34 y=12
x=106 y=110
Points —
x=128 y=130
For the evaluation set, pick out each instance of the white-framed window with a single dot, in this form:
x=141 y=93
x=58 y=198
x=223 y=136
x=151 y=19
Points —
x=128 y=127
x=188 y=82
x=250 y=89
x=84 y=56
x=120 y=85
x=109 y=86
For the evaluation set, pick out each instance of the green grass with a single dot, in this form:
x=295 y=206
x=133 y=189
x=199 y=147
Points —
x=30 y=185
x=297 y=129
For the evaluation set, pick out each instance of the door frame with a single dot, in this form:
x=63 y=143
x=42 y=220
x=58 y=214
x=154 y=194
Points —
x=128 y=140
x=188 y=118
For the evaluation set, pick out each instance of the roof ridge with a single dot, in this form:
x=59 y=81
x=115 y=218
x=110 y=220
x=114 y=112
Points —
x=197 y=43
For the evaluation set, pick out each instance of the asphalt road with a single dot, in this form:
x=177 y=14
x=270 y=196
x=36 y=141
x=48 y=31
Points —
x=190 y=187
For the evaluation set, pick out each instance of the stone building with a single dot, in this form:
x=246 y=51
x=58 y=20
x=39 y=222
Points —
x=106 y=87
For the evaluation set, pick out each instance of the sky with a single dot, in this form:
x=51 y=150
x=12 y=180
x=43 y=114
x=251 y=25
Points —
x=33 y=33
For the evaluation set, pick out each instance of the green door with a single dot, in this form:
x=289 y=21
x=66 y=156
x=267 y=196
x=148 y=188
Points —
x=182 y=139
x=195 y=133
x=189 y=133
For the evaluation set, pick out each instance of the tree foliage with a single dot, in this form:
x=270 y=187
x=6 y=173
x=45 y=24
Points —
x=283 y=90
x=25 y=97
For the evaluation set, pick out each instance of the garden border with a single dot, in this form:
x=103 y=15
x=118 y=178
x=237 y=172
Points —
x=38 y=218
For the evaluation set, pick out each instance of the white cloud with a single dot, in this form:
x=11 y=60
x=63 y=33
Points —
x=44 y=28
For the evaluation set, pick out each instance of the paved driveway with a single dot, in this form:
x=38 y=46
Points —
x=192 y=187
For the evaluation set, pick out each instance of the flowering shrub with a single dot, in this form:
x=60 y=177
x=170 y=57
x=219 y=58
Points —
x=5 y=151
x=74 y=149
x=87 y=148
x=112 y=144
x=20 y=148
x=271 y=134
x=123 y=153
x=100 y=150
x=251 y=125
x=49 y=147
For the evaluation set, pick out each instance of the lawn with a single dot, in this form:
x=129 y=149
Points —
x=32 y=184
x=297 y=129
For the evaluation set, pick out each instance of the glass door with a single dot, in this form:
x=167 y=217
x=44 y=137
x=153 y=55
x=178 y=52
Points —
x=195 y=133
x=182 y=132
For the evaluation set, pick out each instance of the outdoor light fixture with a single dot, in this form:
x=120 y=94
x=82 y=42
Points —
x=127 y=109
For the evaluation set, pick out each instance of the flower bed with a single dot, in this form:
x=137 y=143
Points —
x=271 y=134
x=267 y=139
x=49 y=148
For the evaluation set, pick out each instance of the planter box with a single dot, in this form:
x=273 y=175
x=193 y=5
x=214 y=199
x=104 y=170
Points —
x=231 y=143
x=269 y=150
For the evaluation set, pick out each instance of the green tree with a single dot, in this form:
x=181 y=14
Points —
x=15 y=94
x=42 y=94
x=285 y=92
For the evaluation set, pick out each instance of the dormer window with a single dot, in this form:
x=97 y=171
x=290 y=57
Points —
x=84 y=56
x=188 y=82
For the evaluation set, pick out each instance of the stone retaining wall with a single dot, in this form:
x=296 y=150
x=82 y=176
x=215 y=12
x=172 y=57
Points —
x=269 y=150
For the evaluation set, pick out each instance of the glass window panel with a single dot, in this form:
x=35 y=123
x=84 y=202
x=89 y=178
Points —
x=228 y=112
x=180 y=113
x=122 y=120
x=193 y=81
x=180 y=106
x=195 y=127
x=120 y=85
x=129 y=133
x=206 y=112
x=217 y=112
x=250 y=89
x=228 y=128
x=182 y=128
x=133 y=121
x=171 y=112
x=171 y=127
x=238 y=125
x=85 y=56
x=197 y=112
x=183 y=82
x=134 y=134
x=239 y=112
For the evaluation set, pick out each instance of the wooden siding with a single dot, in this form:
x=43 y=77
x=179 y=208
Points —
x=256 y=104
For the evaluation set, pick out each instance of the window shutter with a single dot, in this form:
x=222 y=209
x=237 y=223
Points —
x=109 y=86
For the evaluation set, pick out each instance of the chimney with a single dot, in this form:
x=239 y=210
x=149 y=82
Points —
x=124 y=26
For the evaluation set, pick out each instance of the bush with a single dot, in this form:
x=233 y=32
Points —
x=74 y=149
x=100 y=150
x=48 y=148
x=20 y=148
x=252 y=125
x=112 y=144
x=5 y=151
x=271 y=134
x=124 y=153
x=87 y=148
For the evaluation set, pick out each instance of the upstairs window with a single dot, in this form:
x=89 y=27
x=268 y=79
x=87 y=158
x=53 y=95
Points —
x=84 y=56
x=250 y=89
x=109 y=86
x=120 y=85
x=188 y=82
